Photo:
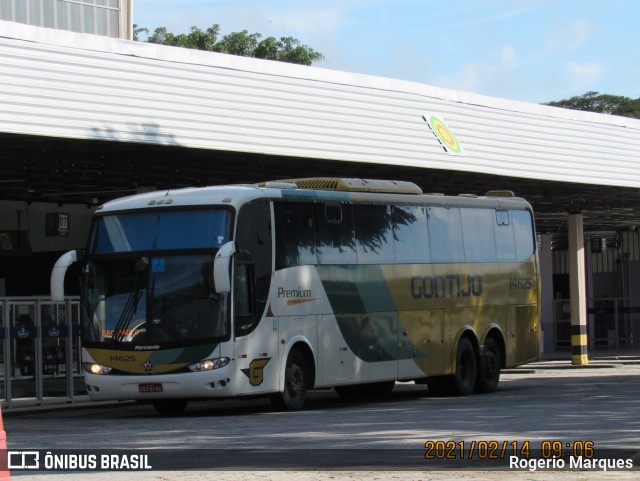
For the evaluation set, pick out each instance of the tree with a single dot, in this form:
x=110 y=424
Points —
x=242 y=43
x=604 y=104
x=245 y=44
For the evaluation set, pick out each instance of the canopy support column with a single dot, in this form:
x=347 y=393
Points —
x=577 y=283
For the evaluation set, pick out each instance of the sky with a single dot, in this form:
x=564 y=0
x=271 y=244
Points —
x=528 y=50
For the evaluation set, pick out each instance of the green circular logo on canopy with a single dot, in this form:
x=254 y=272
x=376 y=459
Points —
x=446 y=137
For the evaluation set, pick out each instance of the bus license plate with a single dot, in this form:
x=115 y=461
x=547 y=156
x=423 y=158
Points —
x=150 y=387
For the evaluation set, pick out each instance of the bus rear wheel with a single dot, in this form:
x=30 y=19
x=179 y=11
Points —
x=489 y=367
x=296 y=380
x=464 y=379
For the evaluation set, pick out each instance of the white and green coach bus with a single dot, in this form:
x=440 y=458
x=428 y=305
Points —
x=278 y=288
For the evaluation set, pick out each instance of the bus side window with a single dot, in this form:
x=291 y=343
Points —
x=445 y=229
x=523 y=233
x=374 y=233
x=295 y=234
x=335 y=237
x=478 y=234
x=505 y=241
x=244 y=307
x=411 y=234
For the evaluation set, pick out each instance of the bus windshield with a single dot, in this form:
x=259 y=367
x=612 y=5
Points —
x=140 y=301
x=148 y=280
x=165 y=230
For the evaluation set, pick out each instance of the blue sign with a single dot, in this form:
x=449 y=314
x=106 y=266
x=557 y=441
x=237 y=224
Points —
x=157 y=265
x=54 y=331
x=24 y=332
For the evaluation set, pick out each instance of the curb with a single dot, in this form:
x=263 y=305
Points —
x=53 y=406
x=595 y=363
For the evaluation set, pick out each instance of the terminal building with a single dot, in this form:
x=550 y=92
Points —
x=88 y=115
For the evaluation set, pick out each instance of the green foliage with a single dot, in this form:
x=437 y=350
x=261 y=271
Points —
x=238 y=43
x=245 y=44
x=604 y=104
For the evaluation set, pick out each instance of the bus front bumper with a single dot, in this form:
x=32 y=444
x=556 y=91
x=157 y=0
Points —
x=189 y=385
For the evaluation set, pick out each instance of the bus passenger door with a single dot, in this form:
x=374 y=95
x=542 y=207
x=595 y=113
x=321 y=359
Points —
x=255 y=331
x=379 y=343
x=256 y=339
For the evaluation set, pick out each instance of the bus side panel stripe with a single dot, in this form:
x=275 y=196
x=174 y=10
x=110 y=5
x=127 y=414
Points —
x=374 y=290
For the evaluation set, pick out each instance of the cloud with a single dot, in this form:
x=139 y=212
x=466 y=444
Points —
x=584 y=75
x=487 y=19
x=567 y=38
x=508 y=55
x=498 y=73
x=310 y=20
x=316 y=17
x=483 y=76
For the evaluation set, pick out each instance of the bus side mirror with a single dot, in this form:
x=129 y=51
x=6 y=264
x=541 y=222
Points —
x=221 y=271
x=58 y=273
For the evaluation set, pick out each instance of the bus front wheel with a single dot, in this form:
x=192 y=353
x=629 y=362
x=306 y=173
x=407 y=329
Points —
x=464 y=379
x=296 y=380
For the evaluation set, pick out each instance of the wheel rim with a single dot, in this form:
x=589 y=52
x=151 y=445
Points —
x=490 y=364
x=295 y=382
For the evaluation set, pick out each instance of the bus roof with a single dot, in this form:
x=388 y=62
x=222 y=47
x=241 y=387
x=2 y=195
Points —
x=317 y=188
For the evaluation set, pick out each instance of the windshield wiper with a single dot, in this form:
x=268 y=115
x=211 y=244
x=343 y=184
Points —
x=125 y=316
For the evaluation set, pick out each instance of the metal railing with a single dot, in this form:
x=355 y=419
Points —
x=613 y=323
x=40 y=356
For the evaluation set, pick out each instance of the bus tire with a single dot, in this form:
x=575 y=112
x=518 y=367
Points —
x=489 y=363
x=296 y=379
x=464 y=379
x=170 y=407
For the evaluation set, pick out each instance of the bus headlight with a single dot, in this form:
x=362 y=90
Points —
x=209 y=364
x=94 y=368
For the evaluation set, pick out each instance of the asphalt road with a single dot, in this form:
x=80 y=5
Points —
x=333 y=438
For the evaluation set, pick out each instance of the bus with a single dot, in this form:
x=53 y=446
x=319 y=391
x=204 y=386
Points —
x=278 y=288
